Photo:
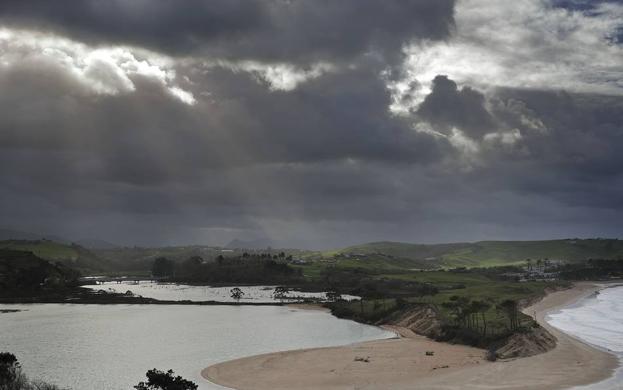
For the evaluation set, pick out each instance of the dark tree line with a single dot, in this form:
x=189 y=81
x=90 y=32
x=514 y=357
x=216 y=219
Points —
x=251 y=269
x=468 y=313
x=24 y=271
x=592 y=269
x=472 y=314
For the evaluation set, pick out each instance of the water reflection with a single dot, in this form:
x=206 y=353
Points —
x=110 y=347
x=180 y=292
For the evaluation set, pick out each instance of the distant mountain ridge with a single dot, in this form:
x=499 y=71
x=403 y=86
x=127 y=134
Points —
x=490 y=253
x=9 y=234
x=90 y=243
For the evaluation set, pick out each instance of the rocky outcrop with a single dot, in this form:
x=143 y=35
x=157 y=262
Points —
x=531 y=343
x=420 y=319
x=424 y=320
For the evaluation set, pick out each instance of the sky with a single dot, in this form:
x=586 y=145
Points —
x=311 y=123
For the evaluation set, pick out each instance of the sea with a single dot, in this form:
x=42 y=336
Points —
x=597 y=320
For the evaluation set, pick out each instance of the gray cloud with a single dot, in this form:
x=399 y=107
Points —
x=169 y=145
x=267 y=30
x=448 y=106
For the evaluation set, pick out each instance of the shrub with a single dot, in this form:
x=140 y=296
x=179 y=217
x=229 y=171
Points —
x=159 y=380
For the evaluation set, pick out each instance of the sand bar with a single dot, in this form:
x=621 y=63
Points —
x=401 y=364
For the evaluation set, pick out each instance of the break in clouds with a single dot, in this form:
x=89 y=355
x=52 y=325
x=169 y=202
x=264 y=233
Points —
x=311 y=123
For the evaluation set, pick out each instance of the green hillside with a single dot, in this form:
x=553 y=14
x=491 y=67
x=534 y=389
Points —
x=488 y=253
x=73 y=256
x=20 y=270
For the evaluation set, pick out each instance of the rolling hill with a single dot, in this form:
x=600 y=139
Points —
x=70 y=255
x=21 y=270
x=488 y=253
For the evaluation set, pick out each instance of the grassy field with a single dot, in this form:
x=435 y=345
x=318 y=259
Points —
x=488 y=253
x=48 y=250
x=71 y=255
x=473 y=286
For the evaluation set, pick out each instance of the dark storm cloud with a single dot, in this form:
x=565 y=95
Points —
x=448 y=106
x=242 y=154
x=139 y=147
x=165 y=24
x=271 y=30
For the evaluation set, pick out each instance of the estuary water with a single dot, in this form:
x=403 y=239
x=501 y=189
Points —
x=182 y=292
x=110 y=347
x=597 y=320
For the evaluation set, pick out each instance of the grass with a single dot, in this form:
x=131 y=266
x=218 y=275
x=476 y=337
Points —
x=470 y=285
x=473 y=285
x=488 y=253
x=73 y=256
x=44 y=249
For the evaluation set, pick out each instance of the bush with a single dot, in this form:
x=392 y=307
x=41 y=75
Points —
x=491 y=354
x=12 y=378
x=159 y=380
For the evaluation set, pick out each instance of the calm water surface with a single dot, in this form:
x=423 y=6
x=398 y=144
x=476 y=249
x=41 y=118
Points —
x=109 y=347
x=180 y=292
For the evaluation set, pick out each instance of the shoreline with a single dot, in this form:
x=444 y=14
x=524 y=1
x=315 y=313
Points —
x=401 y=364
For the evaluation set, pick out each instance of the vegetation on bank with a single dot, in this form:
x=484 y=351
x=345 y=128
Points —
x=69 y=255
x=12 y=378
x=247 y=268
x=478 y=307
x=160 y=380
x=23 y=272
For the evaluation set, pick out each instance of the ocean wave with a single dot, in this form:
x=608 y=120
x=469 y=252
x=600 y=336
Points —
x=597 y=319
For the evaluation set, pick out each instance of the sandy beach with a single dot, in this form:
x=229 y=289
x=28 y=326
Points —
x=402 y=363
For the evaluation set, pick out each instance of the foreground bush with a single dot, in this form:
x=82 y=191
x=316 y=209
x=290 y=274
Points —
x=160 y=380
x=12 y=378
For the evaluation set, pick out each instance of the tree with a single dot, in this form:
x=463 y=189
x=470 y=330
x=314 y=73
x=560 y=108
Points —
x=162 y=267
x=511 y=309
x=9 y=369
x=459 y=308
x=281 y=292
x=482 y=307
x=236 y=293
x=12 y=378
x=159 y=380
x=333 y=296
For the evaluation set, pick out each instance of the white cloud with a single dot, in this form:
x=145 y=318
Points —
x=468 y=149
x=278 y=76
x=102 y=70
x=184 y=96
x=518 y=44
x=505 y=138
